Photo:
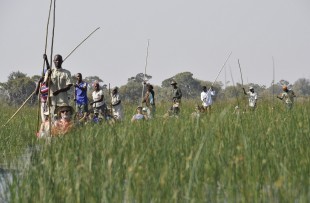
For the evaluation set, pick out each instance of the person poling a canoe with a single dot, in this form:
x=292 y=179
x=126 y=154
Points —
x=206 y=98
x=60 y=83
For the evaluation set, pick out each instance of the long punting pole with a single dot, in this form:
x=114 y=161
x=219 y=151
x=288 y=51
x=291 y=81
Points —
x=273 y=79
x=146 y=58
x=19 y=108
x=49 y=77
x=220 y=71
x=81 y=43
x=45 y=48
x=240 y=72
x=234 y=85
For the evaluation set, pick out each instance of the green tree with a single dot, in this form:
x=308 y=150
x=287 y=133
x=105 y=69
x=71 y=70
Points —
x=302 y=87
x=91 y=80
x=18 y=87
x=140 y=78
x=232 y=92
x=189 y=86
x=36 y=78
x=132 y=91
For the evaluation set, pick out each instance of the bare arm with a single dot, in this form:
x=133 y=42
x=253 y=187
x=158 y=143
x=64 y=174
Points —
x=62 y=90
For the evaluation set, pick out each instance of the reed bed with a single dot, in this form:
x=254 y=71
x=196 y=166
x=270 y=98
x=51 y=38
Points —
x=260 y=156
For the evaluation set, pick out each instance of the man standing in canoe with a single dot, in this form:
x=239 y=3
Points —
x=60 y=83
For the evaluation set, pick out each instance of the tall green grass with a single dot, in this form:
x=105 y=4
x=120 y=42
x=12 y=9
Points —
x=260 y=156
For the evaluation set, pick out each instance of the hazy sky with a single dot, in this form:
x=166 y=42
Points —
x=185 y=35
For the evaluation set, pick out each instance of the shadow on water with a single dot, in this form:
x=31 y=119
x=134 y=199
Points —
x=16 y=168
x=6 y=178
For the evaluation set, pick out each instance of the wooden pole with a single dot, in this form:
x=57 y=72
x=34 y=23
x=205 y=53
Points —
x=19 y=108
x=273 y=79
x=240 y=72
x=49 y=77
x=146 y=58
x=81 y=43
x=220 y=71
x=45 y=48
x=234 y=86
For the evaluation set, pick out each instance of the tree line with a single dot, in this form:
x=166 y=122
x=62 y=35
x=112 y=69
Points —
x=19 y=86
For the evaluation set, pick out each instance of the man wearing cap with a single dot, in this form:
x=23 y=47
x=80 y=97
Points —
x=60 y=82
x=206 y=98
x=288 y=97
x=252 y=97
x=149 y=100
x=81 y=100
x=176 y=97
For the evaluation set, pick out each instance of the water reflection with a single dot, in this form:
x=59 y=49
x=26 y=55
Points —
x=16 y=167
x=6 y=178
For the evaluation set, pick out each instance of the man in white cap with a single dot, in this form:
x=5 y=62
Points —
x=252 y=97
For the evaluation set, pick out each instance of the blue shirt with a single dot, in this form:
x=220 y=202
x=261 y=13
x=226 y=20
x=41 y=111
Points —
x=81 y=95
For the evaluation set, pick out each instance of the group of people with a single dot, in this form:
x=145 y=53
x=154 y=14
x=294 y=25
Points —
x=57 y=115
x=287 y=96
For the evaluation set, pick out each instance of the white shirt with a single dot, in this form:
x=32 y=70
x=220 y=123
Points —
x=206 y=97
x=252 y=98
x=115 y=98
x=60 y=78
x=97 y=97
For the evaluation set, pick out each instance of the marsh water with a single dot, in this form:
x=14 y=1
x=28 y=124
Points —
x=14 y=168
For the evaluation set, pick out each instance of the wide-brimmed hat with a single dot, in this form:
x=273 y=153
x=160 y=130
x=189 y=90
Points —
x=173 y=82
x=63 y=108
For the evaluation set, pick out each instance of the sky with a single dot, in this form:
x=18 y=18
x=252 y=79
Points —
x=195 y=36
